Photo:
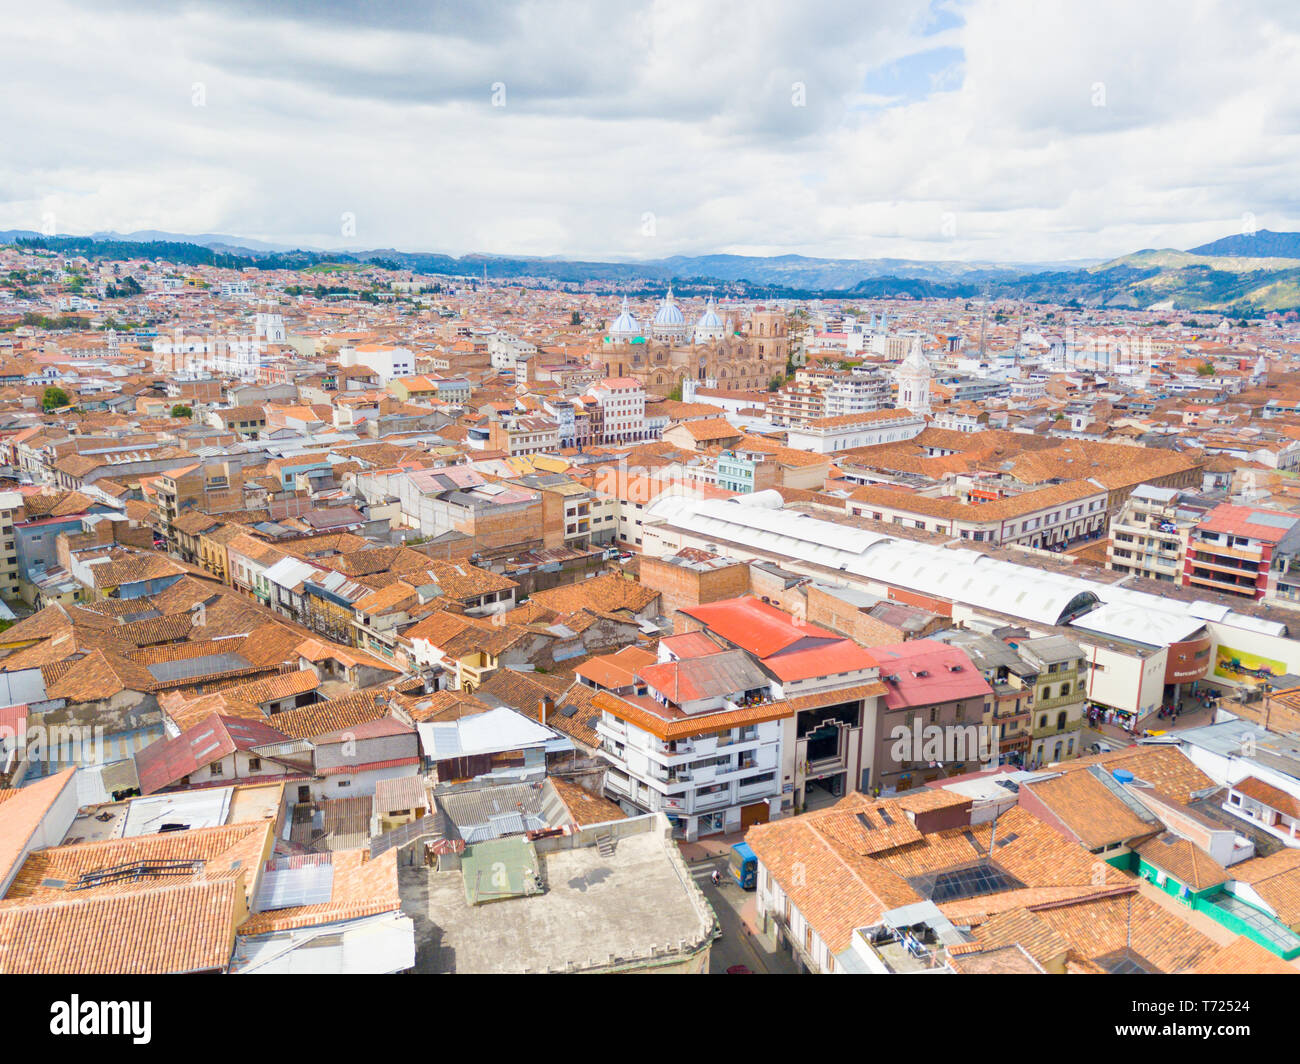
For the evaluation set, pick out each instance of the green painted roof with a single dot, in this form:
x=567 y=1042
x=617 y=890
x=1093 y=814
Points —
x=502 y=868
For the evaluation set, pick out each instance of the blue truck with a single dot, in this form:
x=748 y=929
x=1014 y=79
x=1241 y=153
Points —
x=744 y=866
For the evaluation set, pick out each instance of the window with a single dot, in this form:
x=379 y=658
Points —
x=215 y=769
x=254 y=764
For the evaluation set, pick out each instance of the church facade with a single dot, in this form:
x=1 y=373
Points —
x=669 y=349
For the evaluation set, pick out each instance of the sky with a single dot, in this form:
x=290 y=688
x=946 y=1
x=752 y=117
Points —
x=990 y=130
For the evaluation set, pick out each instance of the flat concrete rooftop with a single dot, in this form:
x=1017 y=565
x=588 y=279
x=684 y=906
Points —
x=634 y=905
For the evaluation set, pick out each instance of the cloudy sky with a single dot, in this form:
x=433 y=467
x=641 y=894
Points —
x=1003 y=130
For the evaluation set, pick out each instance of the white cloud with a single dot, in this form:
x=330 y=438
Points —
x=672 y=107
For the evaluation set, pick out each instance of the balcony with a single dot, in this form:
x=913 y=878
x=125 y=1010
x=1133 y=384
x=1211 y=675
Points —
x=1076 y=695
x=1052 y=729
x=748 y=735
x=1222 y=584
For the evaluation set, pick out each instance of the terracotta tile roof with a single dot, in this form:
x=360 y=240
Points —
x=54 y=872
x=441 y=705
x=1183 y=860
x=1089 y=810
x=581 y=725
x=188 y=927
x=361 y=887
x=1268 y=795
x=308 y=722
x=584 y=807
x=1104 y=928
x=1170 y=772
x=24 y=810
x=681 y=726
x=602 y=594
x=1276 y=879
x=1241 y=956
x=100 y=675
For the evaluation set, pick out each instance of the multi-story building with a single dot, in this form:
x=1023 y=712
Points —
x=819 y=393
x=830 y=684
x=827 y=434
x=11 y=503
x=746 y=470
x=931 y=723
x=1052 y=516
x=1148 y=536
x=507 y=351
x=701 y=741
x=621 y=401
x=384 y=360
x=200 y=488
x=1007 y=711
x=524 y=435
x=1059 y=684
x=1245 y=550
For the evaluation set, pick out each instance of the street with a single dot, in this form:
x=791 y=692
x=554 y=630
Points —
x=737 y=945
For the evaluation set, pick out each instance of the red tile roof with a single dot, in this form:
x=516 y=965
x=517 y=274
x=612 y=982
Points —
x=928 y=672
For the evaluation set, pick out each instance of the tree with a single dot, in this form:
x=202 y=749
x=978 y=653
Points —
x=575 y=318
x=181 y=410
x=54 y=398
x=1205 y=370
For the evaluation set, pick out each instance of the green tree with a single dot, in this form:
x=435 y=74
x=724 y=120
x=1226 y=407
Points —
x=54 y=398
x=1205 y=370
x=575 y=318
x=181 y=410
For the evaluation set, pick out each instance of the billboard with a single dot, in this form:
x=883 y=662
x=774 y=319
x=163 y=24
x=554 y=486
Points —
x=1244 y=667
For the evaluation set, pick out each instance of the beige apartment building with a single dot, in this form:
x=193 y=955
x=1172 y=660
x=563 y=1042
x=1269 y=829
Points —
x=1148 y=536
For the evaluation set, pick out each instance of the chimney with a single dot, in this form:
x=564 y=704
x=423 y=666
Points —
x=544 y=707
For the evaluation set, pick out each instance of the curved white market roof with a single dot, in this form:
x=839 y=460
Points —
x=959 y=575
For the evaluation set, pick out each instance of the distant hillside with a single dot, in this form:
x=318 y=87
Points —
x=1262 y=244
x=1231 y=282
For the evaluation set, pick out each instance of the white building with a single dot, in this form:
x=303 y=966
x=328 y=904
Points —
x=825 y=435
x=707 y=778
x=384 y=360
x=622 y=408
x=914 y=381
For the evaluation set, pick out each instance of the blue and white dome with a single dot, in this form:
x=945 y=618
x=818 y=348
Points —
x=669 y=323
x=710 y=326
x=625 y=326
x=669 y=313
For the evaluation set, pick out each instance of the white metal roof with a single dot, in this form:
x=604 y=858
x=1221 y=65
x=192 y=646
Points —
x=959 y=575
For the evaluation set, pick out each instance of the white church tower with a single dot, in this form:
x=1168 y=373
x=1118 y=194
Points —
x=914 y=381
x=269 y=326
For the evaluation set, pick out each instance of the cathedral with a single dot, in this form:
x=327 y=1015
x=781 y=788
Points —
x=712 y=352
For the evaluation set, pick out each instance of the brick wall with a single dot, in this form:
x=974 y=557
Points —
x=680 y=586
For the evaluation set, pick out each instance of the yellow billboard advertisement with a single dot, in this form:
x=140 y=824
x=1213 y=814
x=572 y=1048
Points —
x=1244 y=667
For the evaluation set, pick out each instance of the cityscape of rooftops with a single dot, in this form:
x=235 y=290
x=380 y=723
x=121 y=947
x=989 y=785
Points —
x=556 y=488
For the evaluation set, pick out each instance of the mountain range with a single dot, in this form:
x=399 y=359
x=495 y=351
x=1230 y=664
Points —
x=1242 y=274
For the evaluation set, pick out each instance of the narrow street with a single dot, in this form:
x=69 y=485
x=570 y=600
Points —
x=738 y=945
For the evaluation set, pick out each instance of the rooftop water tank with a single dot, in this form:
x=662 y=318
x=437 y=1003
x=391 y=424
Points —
x=1123 y=775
